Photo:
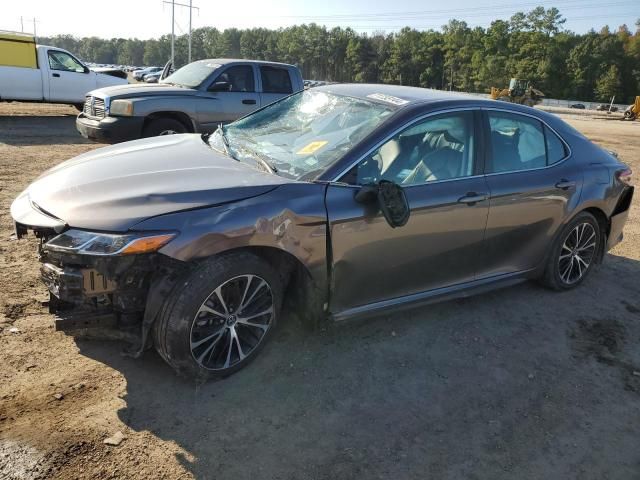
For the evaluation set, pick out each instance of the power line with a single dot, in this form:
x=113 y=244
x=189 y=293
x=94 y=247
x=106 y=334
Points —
x=489 y=9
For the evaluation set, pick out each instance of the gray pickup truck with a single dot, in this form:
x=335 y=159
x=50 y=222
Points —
x=196 y=98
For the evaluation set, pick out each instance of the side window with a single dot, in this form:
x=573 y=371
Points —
x=439 y=148
x=556 y=150
x=63 y=61
x=275 y=80
x=517 y=143
x=239 y=77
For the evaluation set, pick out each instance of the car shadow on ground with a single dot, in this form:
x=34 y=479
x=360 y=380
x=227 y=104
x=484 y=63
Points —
x=28 y=130
x=517 y=383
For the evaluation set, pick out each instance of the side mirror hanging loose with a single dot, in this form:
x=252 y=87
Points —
x=391 y=200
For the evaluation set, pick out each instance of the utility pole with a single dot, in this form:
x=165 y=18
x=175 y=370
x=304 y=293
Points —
x=35 y=37
x=173 y=36
x=21 y=24
x=173 y=23
x=190 y=12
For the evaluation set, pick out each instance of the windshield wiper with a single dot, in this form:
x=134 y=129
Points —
x=266 y=163
x=225 y=141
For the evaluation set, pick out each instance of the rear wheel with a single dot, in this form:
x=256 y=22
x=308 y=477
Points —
x=574 y=253
x=217 y=320
x=163 y=126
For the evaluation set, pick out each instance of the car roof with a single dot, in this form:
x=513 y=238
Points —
x=408 y=95
x=403 y=98
x=224 y=61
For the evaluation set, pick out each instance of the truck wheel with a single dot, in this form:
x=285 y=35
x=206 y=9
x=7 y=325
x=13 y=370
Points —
x=163 y=126
x=219 y=317
x=79 y=106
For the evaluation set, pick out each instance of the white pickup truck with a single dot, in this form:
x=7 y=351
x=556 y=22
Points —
x=37 y=73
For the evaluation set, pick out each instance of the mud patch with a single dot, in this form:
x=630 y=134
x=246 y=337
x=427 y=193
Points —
x=631 y=308
x=602 y=339
x=14 y=311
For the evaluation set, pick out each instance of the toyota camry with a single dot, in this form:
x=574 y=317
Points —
x=352 y=200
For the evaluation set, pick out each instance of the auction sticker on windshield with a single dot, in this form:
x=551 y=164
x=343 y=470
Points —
x=388 y=98
x=312 y=147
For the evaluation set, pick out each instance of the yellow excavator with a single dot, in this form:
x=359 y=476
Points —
x=633 y=111
x=519 y=91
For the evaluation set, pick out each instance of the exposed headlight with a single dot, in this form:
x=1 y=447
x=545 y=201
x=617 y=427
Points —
x=123 y=108
x=92 y=243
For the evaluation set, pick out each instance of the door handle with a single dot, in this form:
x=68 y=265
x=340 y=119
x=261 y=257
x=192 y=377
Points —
x=471 y=198
x=249 y=101
x=565 y=184
x=57 y=75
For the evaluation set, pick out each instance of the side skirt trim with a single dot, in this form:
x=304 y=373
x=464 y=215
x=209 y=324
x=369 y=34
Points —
x=433 y=296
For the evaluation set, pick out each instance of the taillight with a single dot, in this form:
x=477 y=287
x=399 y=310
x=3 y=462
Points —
x=625 y=176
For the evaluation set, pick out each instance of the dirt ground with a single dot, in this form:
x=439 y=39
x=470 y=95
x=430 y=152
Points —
x=521 y=383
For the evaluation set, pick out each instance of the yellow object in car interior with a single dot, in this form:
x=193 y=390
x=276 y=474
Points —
x=17 y=50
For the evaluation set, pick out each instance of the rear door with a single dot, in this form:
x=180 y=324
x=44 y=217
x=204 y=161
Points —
x=436 y=162
x=276 y=82
x=69 y=80
x=534 y=182
x=229 y=105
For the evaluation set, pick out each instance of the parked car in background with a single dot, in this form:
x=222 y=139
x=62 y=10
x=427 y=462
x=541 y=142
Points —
x=196 y=98
x=606 y=107
x=139 y=74
x=152 y=77
x=38 y=73
x=579 y=106
x=354 y=199
x=115 y=72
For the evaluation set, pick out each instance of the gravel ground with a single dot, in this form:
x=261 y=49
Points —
x=519 y=383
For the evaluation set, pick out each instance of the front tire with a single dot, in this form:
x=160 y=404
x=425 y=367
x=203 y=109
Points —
x=574 y=253
x=220 y=316
x=163 y=126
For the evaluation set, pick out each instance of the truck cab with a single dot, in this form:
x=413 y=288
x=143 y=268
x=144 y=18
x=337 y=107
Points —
x=40 y=73
x=196 y=98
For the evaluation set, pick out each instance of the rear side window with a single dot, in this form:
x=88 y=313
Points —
x=275 y=80
x=521 y=143
x=556 y=150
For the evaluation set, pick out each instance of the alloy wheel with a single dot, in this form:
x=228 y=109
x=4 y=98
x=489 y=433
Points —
x=168 y=132
x=232 y=322
x=577 y=253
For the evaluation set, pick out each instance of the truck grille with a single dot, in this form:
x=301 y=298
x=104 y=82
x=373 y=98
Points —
x=94 y=107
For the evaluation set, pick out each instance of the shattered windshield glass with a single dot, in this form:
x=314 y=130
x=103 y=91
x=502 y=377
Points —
x=302 y=134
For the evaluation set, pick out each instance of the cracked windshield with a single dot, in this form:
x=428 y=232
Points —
x=301 y=135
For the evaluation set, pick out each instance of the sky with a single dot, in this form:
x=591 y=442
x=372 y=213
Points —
x=151 y=18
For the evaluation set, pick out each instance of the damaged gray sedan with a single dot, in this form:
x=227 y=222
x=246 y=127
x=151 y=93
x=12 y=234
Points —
x=351 y=200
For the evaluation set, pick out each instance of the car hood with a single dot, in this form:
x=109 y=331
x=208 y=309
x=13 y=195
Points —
x=115 y=187
x=141 y=90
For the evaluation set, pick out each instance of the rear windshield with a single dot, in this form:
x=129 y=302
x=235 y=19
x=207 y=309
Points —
x=192 y=75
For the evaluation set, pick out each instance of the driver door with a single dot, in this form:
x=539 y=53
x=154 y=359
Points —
x=229 y=105
x=68 y=79
x=435 y=160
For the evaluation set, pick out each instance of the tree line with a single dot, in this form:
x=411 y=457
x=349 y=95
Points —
x=534 y=46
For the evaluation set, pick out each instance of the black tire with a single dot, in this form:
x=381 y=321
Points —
x=79 y=107
x=163 y=126
x=181 y=320
x=555 y=275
